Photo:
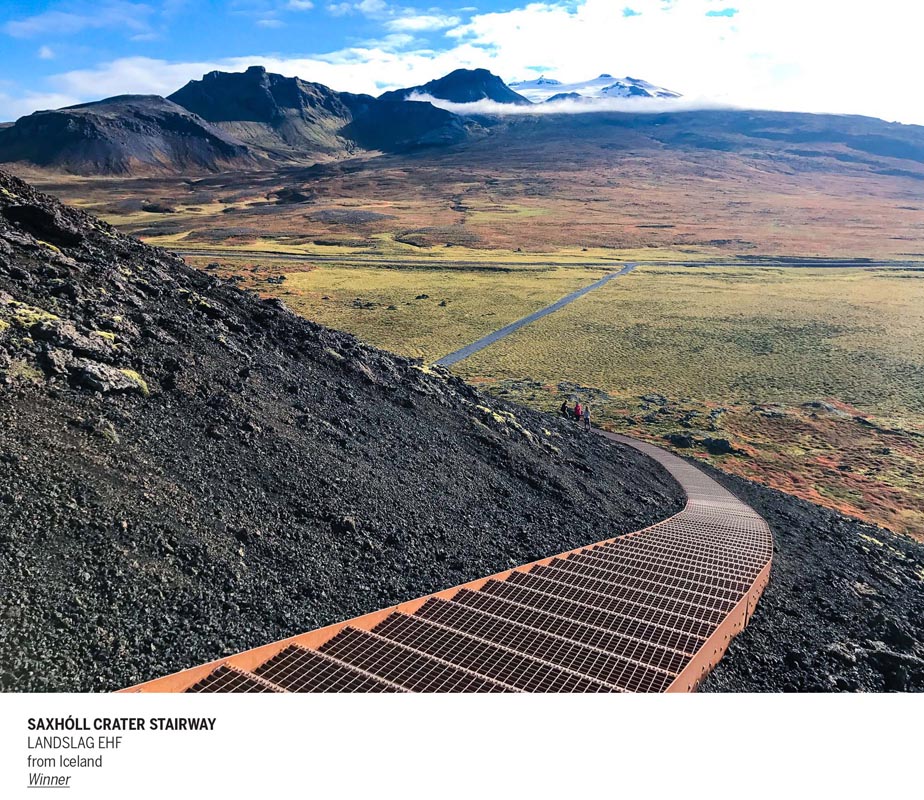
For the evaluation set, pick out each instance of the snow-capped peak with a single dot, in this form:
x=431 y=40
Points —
x=605 y=85
x=536 y=84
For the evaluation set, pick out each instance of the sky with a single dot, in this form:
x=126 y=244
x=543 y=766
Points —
x=842 y=56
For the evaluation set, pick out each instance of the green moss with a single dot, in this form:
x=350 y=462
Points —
x=3 y=325
x=136 y=377
x=490 y=412
x=106 y=335
x=24 y=371
x=49 y=245
x=23 y=315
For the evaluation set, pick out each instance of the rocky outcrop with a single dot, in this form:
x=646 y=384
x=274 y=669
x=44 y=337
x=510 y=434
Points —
x=285 y=117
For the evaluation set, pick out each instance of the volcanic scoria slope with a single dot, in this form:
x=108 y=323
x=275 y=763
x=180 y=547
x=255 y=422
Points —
x=187 y=471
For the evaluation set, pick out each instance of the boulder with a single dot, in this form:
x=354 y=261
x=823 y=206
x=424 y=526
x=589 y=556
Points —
x=47 y=224
x=64 y=333
x=718 y=447
x=105 y=379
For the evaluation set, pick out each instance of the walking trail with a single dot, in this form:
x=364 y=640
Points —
x=491 y=338
x=651 y=611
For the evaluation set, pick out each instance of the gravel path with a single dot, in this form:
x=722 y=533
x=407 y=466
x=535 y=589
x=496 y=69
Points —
x=491 y=338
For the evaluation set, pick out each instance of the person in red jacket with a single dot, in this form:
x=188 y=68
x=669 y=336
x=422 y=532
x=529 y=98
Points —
x=578 y=411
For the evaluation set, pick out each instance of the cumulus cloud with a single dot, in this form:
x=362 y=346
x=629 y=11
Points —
x=820 y=56
x=368 y=7
x=46 y=53
x=789 y=54
x=422 y=22
x=299 y=5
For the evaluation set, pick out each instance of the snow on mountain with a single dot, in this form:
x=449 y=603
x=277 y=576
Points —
x=605 y=85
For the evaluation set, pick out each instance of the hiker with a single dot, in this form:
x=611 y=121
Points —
x=578 y=410
x=586 y=418
x=565 y=411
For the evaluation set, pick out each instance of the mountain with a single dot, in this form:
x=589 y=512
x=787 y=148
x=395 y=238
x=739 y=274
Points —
x=226 y=120
x=258 y=120
x=568 y=96
x=187 y=470
x=463 y=86
x=544 y=89
x=285 y=117
x=398 y=126
x=129 y=134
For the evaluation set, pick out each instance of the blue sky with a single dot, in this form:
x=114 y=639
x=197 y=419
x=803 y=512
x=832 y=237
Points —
x=812 y=55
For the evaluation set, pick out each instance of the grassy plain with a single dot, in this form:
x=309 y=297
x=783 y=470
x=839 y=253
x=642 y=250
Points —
x=735 y=335
x=815 y=377
x=423 y=312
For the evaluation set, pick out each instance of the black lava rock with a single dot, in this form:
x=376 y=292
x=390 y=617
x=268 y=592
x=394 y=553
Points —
x=228 y=473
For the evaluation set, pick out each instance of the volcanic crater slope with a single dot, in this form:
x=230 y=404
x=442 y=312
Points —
x=187 y=470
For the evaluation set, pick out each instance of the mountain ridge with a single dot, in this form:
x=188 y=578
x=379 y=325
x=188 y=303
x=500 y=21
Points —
x=545 y=89
x=286 y=117
x=259 y=120
x=226 y=120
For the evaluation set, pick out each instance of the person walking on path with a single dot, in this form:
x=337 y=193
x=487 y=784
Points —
x=565 y=411
x=586 y=418
x=578 y=410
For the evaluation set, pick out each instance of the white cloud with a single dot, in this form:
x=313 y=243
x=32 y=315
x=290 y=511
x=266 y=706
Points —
x=270 y=22
x=392 y=42
x=789 y=54
x=136 y=75
x=46 y=53
x=13 y=107
x=339 y=9
x=372 y=8
x=636 y=105
x=299 y=5
x=422 y=22
x=112 y=14
x=824 y=55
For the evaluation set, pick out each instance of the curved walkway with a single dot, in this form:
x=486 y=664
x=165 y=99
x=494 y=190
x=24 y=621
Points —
x=501 y=333
x=651 y=611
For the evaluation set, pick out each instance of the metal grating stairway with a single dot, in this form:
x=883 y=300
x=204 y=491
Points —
x=652 y=611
